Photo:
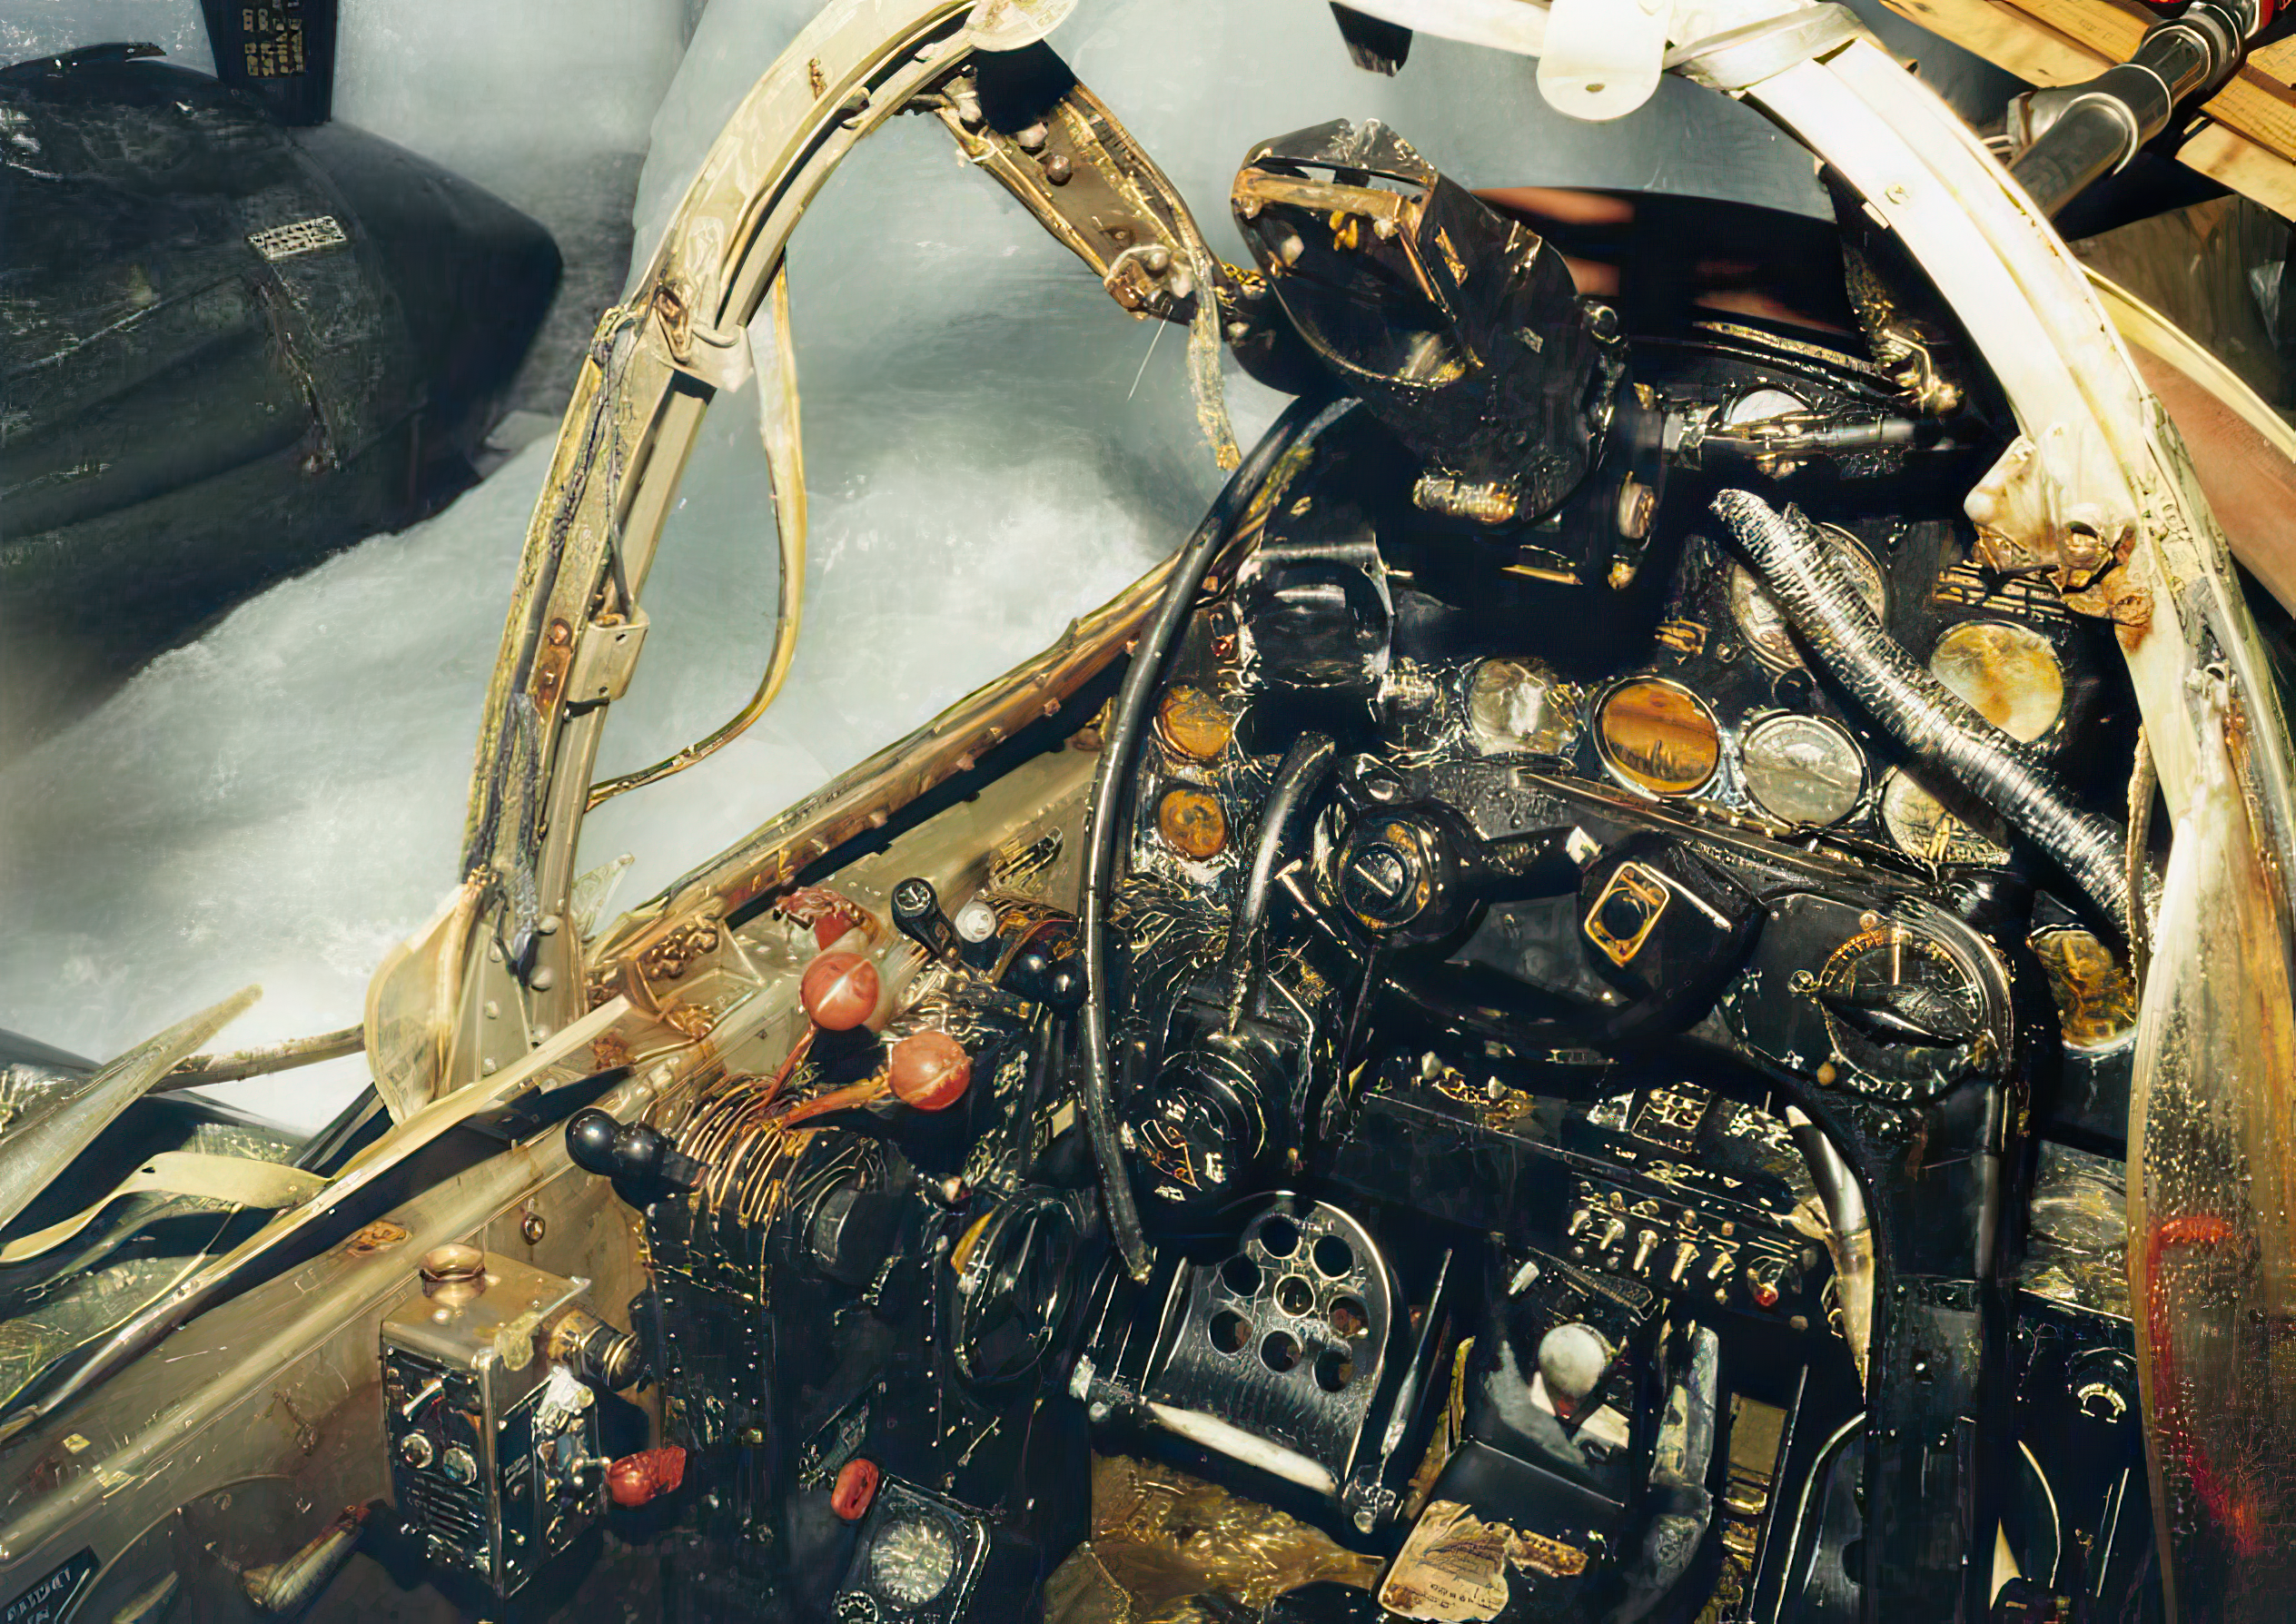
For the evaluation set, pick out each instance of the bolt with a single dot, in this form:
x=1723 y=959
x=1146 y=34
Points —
x=533 y=1227
x=1031 y=140
x=1059 y=169
x=1638 y=506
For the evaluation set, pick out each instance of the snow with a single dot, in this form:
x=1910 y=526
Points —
x=992 y=445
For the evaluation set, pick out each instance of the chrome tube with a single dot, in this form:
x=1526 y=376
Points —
x=2077 y=134
x=1920 y=712
x=1852 y=1238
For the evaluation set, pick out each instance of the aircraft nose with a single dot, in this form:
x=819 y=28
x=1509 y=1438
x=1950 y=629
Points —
x=474 y=276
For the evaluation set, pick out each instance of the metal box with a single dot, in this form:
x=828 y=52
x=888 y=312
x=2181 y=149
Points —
x=493 y=1448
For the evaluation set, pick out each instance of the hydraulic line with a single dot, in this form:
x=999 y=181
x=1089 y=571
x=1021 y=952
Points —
x=2076 y=135
x=1118 y=747
x=1920 y=712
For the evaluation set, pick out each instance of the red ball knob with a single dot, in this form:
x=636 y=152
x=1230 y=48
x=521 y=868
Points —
x=839 y=991
x=856 y=1489
x=634 y=1479
x=929 y=1070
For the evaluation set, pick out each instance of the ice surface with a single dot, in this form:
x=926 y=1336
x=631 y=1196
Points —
x=50 y=27
x=992 y=445
x=272 y=804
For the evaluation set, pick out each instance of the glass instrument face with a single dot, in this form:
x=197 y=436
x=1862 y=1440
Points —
x=1518 y=705
x=1192 y=823
x=1763 y=625
x=912 y=1561
x=1803 y=770
x=1924 y=827
x=2095 y=994
x=1658 y=736
x=1193 y=723
x=2009 y=673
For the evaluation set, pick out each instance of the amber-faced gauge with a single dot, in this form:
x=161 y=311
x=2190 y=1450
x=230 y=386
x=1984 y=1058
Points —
x=2094 y=993
x=1803 y=770
x=1518 y=705
x=1763 y=625
x=2009 y=673
x=1192 y=722
x=1658 y=736
x=1192 y=823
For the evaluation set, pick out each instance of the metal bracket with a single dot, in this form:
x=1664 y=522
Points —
x=716 y=356
x=1092 y=189
x=609 y=654
x=1089 y=183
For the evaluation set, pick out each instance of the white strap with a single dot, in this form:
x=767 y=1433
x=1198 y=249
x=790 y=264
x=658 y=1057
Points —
x=1603 y=57
x=243 y=1181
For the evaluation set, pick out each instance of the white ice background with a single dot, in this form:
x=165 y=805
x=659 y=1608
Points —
x=993 y=446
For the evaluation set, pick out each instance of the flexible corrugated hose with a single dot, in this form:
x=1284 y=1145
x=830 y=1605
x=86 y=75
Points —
x=1916 y=708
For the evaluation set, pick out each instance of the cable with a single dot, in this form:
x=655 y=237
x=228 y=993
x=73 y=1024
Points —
x=1305 y=767
x=1117 y=748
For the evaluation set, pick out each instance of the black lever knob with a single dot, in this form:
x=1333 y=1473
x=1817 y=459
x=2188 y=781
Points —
x=918 y=913
x=589 y=1141
x=629 y=1153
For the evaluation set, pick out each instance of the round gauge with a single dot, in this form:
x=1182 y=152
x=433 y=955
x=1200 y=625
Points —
x=1924 y=828
x=1658 y=736
x=1894 y=996
x=1518 y=705
x=913 y=1560
x=2094 y=993
x=1192 y=823
x=2009 y=673
x=1803 y=770
x=1192 y=722
x=1015 y=1272
x=1763 y=625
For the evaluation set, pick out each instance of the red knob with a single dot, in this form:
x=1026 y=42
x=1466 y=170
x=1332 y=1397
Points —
x=839 y=991
x=929 y=1070
x=855 y=1490
x=634 y=1479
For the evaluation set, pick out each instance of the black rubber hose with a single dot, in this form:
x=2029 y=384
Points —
x=1117 y=748
x=1919 y=711
x=1305 y=767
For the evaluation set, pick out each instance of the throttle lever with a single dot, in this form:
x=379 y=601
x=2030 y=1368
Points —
x=639 y=1159
x=917 y=913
